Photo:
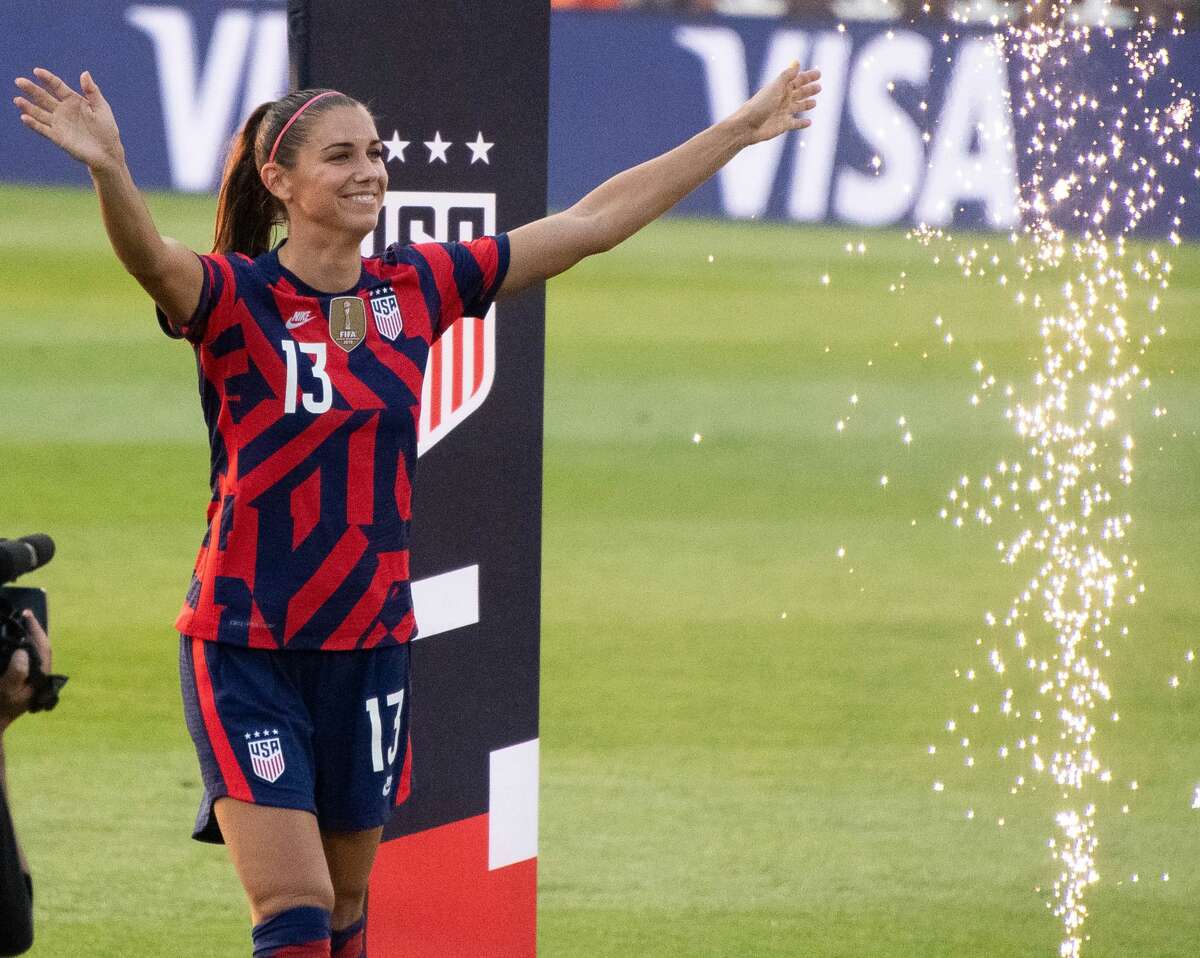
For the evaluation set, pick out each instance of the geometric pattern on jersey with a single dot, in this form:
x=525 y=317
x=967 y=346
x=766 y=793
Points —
x=314 y=441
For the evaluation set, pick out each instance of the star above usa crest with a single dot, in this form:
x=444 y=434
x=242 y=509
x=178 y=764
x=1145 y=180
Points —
x=437 y=147
x=395 y=147
x=479 y=149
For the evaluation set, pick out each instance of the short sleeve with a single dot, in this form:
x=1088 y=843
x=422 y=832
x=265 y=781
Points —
x=217 y=278
x=468 y=276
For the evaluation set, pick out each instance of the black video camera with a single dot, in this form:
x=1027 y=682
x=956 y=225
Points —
x=16 y=558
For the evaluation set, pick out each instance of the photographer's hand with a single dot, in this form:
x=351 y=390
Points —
x=15 y=692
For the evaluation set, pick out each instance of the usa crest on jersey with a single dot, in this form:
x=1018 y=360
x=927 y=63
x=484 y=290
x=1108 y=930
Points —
x=462 y=363
x=386 y=312
x=266 y=758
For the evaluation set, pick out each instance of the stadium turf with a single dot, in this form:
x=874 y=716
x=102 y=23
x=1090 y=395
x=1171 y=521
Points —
x=735 y=721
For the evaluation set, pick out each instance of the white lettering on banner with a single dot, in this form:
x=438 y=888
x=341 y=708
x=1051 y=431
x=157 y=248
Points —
x=200 y=104
x=746 y=180
x=976 y=106
x=267 y=77
x=885 y=193
x=816 y=147
x=907 y=183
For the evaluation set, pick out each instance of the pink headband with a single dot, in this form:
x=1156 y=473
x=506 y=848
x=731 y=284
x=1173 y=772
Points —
x=295 y=116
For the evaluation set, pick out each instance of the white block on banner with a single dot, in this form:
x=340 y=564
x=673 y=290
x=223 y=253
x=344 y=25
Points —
x=513 y=804
x=445 y=602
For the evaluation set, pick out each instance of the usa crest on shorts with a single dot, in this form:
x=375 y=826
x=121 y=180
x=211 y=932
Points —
x=266 y=757
x=386 y=311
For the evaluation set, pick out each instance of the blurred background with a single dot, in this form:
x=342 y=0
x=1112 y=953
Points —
x=758 y=625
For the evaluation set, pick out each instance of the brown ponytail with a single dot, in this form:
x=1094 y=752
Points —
x=247 y=213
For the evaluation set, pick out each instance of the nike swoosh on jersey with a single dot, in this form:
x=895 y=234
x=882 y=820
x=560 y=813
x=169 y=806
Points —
x=298 y=318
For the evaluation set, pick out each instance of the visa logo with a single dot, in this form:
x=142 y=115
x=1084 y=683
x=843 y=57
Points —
x=203 y=101
x=968 y=155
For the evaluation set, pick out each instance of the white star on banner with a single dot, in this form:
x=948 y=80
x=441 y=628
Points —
x=437 y=147
x=479 y=149
x=395 y=147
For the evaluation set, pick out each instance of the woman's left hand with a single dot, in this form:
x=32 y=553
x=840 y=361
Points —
x=776 y=108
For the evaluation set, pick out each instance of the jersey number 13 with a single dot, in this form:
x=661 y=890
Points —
x=312 y=402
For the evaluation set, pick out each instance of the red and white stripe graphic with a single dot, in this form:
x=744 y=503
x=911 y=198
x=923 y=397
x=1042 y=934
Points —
x=462 y=364
x=458 y=377
x=389 y=325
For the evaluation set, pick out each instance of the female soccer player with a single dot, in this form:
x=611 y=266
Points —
x=295 y=631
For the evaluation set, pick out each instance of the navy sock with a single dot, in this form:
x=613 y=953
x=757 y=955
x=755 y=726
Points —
x=295 y=933
x=349 y=942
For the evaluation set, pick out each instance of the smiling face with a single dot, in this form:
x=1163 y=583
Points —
x=338 y=180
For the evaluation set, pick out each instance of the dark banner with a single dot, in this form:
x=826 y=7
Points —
x=460 y=93
x=917 y=123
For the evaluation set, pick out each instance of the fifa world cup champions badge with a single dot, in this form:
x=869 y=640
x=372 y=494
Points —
x=347 y=321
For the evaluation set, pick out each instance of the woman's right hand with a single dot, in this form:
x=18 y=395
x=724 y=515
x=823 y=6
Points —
x=81 y=123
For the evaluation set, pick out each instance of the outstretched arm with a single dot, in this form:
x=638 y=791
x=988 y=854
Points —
x=621 y=206
x=82 y=124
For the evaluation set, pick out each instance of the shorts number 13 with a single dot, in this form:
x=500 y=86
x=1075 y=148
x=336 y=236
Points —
x=395 y=699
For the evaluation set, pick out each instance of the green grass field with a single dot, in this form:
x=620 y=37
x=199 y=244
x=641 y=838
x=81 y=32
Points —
x=734 y=728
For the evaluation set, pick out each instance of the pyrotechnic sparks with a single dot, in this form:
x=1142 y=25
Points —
x=1093 y=174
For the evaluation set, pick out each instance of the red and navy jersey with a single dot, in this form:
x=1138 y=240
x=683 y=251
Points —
x=312 y=402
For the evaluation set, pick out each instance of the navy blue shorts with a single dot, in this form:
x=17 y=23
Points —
x=324 y=732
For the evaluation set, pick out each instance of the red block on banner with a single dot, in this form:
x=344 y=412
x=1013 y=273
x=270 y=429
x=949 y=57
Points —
x=432 y=896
